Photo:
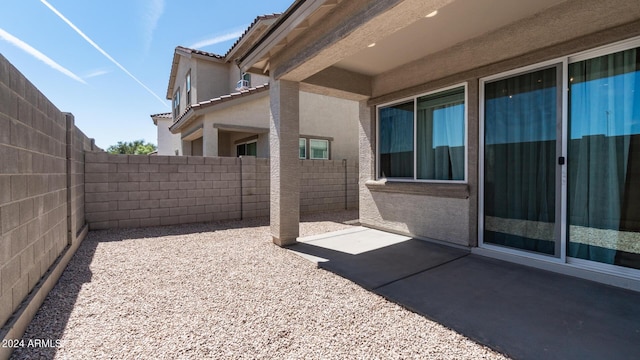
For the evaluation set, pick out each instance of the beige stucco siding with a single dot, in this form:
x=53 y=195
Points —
x=442 y=219
x=212 y=80
x=234 y=76
x=168 y=143
x=331 y=117
x=254 y=113
x=184 y=66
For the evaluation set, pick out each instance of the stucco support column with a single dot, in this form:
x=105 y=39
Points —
x=210 y=141
x=284 y=130
x=366 y=146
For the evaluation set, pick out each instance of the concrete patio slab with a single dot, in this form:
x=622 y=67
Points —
x=373 y=258
x=355 y=241
x=523 y=312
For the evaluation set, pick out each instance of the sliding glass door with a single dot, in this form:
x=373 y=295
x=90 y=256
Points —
x=604 y=159
x=521 y=121
x=560 y=173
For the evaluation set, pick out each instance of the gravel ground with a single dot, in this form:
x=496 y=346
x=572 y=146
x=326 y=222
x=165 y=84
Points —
x=223 y=290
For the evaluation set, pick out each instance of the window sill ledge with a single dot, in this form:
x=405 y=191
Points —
x=455 y=191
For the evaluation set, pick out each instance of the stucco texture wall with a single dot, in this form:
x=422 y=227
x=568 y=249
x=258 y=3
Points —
x=253 y=112
x=328 y=116
x=168 y=143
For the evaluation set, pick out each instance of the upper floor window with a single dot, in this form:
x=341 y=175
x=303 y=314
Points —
x=176 y=104
x=244 y=83
x=424 y=138
x=188 y=86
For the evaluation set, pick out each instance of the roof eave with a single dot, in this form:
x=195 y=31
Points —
x=260 y=24
x=295 y=14
x=195 y=110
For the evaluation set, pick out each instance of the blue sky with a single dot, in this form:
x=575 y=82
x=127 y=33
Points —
x=108 y=61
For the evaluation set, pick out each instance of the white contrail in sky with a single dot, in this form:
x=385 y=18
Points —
x=96 y=73
x=151 y=12
x=75 y=28
x=38 y=55
x=218 y=39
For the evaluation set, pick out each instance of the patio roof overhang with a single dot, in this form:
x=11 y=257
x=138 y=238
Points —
x=371 y=48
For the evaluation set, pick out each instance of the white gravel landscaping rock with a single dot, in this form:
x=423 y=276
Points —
x=224 y=290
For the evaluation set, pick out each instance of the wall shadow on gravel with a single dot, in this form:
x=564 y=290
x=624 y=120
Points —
x=51 y=319
x=177 y=230
x=347 y=216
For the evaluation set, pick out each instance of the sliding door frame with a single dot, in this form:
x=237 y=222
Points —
x=607 y=273
x=560 y=232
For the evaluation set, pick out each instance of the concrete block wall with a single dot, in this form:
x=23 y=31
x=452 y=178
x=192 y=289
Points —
x=77 y=145
x=255 y=187
x=327 y=185
x=35 y=212
x=124 y=191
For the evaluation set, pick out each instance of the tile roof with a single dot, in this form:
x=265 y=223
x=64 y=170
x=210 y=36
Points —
x=155 y=117
x=162 y=115
x=255 y=21
x=185 y=116
x=199 y=52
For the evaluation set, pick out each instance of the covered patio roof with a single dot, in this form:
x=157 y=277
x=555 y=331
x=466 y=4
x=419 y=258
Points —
x=370 y=48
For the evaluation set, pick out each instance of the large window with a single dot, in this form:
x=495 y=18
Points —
x=424 y=138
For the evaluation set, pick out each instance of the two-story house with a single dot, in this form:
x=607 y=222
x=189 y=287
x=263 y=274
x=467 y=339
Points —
x=217 y=110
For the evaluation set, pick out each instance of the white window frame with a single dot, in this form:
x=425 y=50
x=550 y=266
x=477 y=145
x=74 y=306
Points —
x=481 y=122
x=305 y=149
x=310 y=153
x=247 y=77
x=176 y=104
x=415 y=132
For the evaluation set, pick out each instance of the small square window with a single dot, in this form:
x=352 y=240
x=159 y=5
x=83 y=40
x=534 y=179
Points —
x=247 y=149
x=319 y=149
